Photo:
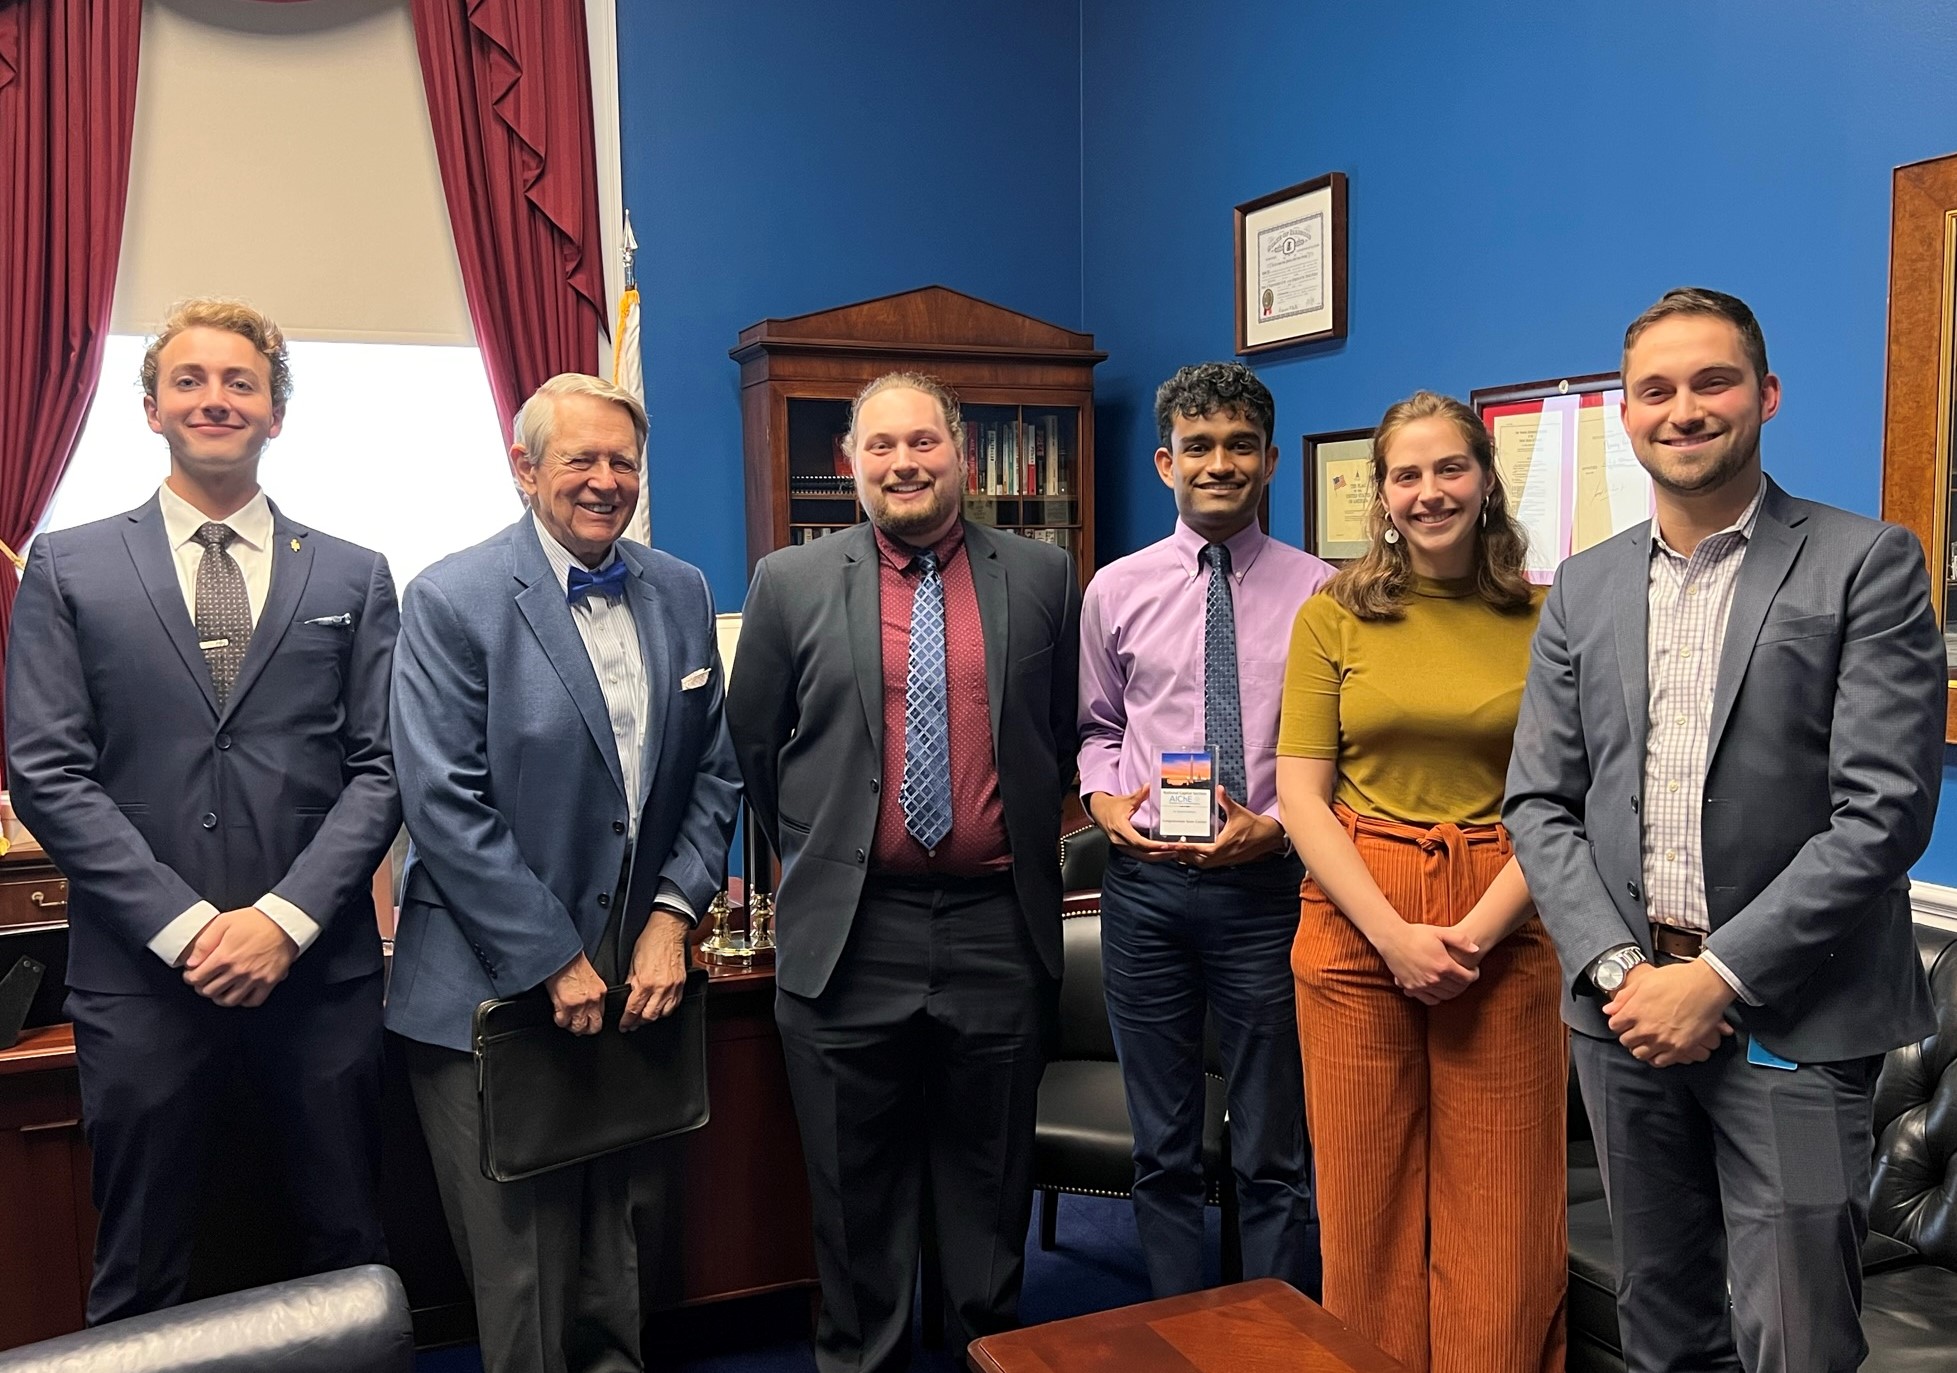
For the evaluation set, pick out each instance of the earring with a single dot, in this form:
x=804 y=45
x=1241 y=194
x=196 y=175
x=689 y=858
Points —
x=1391 y=535
x=1484 y=514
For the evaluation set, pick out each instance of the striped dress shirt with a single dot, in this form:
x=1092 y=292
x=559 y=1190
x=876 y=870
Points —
x=611 y=637
x=1691 y=599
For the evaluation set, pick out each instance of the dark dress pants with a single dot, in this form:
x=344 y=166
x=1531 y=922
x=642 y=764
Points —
x=553 y=1260
x=1176 y=940
x=1729 y=1172
x=155 y=1072
x=919 y=1064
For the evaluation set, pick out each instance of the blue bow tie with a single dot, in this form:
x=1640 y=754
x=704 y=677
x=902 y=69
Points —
x=609 y=583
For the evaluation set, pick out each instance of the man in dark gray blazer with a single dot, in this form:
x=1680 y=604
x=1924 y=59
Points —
x=1727 y=759
x=197 y=734
x=570 y=791
x=903 y=709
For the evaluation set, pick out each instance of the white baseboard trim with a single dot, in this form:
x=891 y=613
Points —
x=1934 y=905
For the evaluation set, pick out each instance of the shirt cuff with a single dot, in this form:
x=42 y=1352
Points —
x=302 y=928
x=670 y=897
x=174 y=938
x=1729 y=977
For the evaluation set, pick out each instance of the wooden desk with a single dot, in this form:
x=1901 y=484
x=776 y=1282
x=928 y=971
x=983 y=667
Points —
x=743 y=1210
x=1252 y=1327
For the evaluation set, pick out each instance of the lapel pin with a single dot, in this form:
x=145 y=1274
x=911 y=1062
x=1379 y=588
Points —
x=295 y=545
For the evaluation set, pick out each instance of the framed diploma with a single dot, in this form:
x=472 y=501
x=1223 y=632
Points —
x=1338 y=493
x=1291 y=265
x=1572 y=478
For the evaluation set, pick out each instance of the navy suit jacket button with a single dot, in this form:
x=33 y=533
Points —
x=223 y=742
x=618 y=827
x=875 y=785
x=208 y=820
x=859 y=855
x=604 y=901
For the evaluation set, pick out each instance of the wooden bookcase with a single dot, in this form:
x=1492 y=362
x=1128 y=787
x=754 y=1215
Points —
x=1026 y=389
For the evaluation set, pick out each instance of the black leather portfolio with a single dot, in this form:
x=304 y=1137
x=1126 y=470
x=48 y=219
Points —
x=550 y=1098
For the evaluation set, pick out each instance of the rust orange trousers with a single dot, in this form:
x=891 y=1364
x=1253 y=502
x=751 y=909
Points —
x=1438 y=1131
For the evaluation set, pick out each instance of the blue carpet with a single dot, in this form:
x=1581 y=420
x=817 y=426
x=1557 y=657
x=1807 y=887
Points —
x=1096 y=1265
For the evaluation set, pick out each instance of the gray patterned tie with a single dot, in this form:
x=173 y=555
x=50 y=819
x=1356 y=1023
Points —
x=926 y=792
x=223 y=608
x=1223 y=720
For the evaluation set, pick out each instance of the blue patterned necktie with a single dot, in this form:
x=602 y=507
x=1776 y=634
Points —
x=1223 y=718
x=583 y=583
x=926 y=792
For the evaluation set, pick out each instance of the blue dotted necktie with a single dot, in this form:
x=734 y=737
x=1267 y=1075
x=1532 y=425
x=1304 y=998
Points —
x=926 y=793
x=1223 y=718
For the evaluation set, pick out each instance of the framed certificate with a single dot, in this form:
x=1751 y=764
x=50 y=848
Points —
x=1291 y=265
x=1572 y=478
x=1338 y=493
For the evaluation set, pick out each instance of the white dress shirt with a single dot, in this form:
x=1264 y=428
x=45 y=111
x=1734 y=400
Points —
x=611 y=638
x=252 y=551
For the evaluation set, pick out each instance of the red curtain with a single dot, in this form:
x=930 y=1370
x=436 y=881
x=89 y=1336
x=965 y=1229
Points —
x=509 y=96
x=67 y=109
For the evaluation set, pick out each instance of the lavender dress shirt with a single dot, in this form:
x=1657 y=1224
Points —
x=1141 y=659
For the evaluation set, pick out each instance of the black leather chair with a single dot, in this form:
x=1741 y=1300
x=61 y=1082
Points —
x=352 y=1321
x=1083 y=1142
x=1909 y=1265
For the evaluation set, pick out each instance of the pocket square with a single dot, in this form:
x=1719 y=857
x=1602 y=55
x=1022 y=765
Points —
x=696 y=678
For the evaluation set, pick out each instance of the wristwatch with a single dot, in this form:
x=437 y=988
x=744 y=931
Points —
x=1607 y=974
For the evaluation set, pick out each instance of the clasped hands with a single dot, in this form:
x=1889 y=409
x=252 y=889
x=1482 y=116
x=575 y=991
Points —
x=1672 y=1013
x=238 y=957
x=654 y=985
x=1245 y=836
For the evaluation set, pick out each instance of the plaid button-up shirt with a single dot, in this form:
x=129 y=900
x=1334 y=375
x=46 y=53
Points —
x=1691 y=599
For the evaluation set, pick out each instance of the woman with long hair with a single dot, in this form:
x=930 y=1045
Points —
x=1434 y=1053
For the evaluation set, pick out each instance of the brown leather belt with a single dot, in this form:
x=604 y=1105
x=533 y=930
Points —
x=1669 y=941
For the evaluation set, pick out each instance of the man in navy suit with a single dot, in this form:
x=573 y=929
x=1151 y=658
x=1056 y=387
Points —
x=197 y=733
x=570 y=791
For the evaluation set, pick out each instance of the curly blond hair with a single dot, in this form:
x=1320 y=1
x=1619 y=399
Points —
x=234 y=317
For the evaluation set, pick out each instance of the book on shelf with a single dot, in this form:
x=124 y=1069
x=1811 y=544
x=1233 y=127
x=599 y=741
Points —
x=1056 y=472
x=820 y=484
x=839 y=455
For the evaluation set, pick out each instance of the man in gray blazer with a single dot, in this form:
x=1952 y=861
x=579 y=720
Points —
x=903 y=708
x=1727 y=759
x=197 y=734
x=570 y=791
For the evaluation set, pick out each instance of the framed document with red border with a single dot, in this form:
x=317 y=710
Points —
x=1566 y=462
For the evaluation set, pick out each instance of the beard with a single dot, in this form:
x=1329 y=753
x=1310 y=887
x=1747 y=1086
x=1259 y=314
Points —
x=1693 y=479
x=915 y=519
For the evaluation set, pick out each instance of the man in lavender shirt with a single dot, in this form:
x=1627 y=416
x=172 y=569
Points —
x=1182 y=646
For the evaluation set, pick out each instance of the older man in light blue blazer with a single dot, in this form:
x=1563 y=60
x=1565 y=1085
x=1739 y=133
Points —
x=1727 y=759
x=570 y=790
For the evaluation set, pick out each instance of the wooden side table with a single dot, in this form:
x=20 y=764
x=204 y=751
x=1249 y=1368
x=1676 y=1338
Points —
x=1264 y=1326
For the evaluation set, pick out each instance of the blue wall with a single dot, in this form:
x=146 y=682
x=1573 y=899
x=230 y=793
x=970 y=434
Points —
x=1524 y=179
x=782 y=156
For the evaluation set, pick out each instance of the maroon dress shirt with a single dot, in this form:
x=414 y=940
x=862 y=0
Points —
x=977 y=842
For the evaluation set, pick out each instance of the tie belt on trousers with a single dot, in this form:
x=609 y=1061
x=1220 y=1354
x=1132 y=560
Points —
x=1447 y=879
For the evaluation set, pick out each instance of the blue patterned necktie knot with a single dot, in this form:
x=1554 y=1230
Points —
x=582 y=582
x=926 y=791
x=1223 y=722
